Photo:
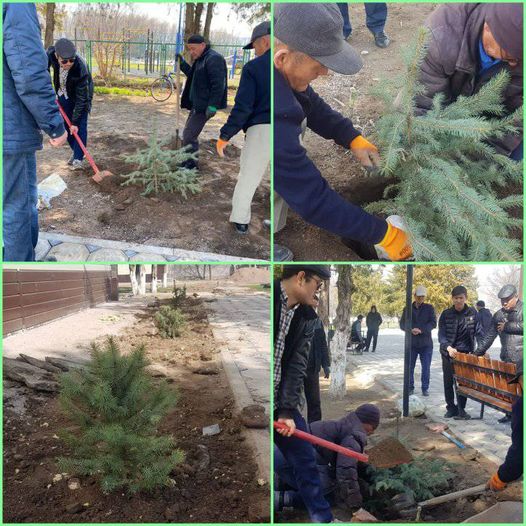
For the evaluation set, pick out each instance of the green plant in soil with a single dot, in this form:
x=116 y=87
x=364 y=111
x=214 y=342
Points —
x=178 y=295
x=159 y=168
x=169 y=321
x=117 y=408
x=449 y=179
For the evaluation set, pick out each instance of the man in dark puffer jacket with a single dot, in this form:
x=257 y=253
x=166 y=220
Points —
x=457 y=328
x=74 y=89
x=338 y=473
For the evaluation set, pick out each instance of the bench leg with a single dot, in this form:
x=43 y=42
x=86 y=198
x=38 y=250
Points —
x=482 y=410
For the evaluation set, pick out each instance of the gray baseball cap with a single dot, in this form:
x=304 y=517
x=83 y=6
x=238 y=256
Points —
x=317 y=31
x=259 y=31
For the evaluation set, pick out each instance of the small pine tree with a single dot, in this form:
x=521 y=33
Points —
x=117 y=409
x=160 y=168
x=178 y=295
x=169 y=321
x=447 y=175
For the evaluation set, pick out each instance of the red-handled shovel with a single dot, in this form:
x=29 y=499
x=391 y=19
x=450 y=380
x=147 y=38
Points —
x=324 y=443
x=98 y=176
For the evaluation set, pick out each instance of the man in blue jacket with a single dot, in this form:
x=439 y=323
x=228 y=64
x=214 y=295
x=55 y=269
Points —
x=423 y=321
x=205 y=90
x=251 y=113
x=29 y=107
x=309 y=43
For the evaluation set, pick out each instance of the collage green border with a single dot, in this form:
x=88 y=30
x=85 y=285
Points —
x=270 y=263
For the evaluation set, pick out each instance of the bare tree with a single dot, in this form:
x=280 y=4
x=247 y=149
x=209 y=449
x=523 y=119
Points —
x=138 y=279
x=337 y=388
x=50 y=25
x=208 y=19
x=323 y=306
x=154 y=279
x=192 y=24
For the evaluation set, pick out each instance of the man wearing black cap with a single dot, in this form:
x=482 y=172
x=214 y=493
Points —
x=513 y=465
x=251 y=113
x=338 y=473
x=470 y=43
x=205 y=90
x=309 y=43
x=74 y=87
x=295 y=295
x=457 y=328
x=28 y=107
x=507 y=323
x=484 y=319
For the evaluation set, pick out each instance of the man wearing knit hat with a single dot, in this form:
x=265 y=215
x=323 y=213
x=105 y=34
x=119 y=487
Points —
x=205 y=90
x=469 y=44
x=338 y=473
x=308 y=43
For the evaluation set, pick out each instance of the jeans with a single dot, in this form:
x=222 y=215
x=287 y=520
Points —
x=372 y=334
x=449 y=390
x=426 y=355
x=301 y=457
x=20 y=213
x=82 y=125
x=375 y=17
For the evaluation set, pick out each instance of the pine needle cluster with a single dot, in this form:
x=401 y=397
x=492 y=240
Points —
x=449 y=179
x=170 y=321
x=117 y=408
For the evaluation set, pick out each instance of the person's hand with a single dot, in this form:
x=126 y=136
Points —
x=59 y=141
x=327 y=372
x=365 y=152
x=500 y=326
x=495 y=484
x=179 y=57
x=210 y=112
x=73 y=129
x=220 y=147
x=396 y=244
x=289 y=422
x=487 y=356
x=451 y=351
x=416 y=332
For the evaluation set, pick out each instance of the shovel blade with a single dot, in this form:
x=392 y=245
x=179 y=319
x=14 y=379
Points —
x=99 y=176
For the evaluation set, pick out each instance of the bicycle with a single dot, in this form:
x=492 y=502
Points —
x=162 y=88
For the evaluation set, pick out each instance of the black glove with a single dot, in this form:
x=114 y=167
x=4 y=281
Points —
x=327 y=371
x=179 y=58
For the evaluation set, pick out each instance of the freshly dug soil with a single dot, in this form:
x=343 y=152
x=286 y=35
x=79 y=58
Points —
x=223 y=489
x=389 y=453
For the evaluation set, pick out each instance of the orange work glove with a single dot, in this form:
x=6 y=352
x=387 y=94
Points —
x=220 y=147
x=396 y=244
x=495 y=483
x=365 y=152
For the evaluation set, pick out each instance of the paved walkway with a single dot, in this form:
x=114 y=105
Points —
x=489 y=437
x=62 y=247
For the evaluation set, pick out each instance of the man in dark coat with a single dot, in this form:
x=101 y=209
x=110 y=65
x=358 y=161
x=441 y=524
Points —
x=513 y=465
x=469 y=45
x=28 y=109
x=457 y=329
x=507 y=323
x=309 y=43
x=423 y=321
x=484 y=318
x=295 y=321
x=319 y=357
x=338 y=473
x=356 y=333
x=251 y=113
x=373 y=320
x=205 y=90
x=74 y=89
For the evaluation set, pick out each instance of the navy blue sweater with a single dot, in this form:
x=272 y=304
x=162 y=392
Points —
x=252 y=104
x=296 y=178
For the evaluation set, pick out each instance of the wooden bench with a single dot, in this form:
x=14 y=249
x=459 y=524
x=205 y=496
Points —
x=485 y=381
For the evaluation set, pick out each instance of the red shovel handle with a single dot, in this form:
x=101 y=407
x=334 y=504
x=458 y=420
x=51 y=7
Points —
x=324 y=443
x=79 y=140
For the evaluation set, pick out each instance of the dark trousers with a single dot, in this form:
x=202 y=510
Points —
x=193 y=127
x=301 y=457
x=20 y=215
x=517 y=154
x=375 y=17
x=449 y=390
x=426 y=355
x=372 y=334
x=82 y=125
x=312 y=395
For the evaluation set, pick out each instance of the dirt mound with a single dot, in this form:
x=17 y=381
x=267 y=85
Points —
x=389 y=453
x=251 y=275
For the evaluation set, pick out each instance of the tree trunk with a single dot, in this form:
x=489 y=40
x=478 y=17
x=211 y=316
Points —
x=337 y=388
x=50 y=25
x=154 y=279
x=133 y=280
x=323 y=307
x=142 y=280
x=208 y=19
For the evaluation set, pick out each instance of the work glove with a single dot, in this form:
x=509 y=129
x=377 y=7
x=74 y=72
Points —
x=220 y=147
x=495 y=484
x=210 y=112
x=396 y=244
x=327 y=371
x=179 y=58
x=365 y=152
